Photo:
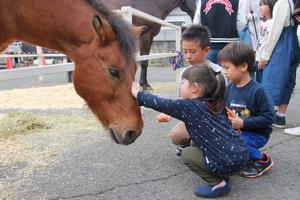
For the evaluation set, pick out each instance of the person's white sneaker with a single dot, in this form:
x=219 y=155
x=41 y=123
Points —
x=293 y=131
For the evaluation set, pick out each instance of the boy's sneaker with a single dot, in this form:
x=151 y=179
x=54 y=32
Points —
x=292 y=131
x=279 y=122
x=257 y=168
x=207 y=191
x=179 y=149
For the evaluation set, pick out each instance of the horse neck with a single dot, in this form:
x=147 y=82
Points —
x=166 y=6
x=54 y=25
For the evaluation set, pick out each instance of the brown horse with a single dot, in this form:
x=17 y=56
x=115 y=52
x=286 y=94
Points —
x=101 y=45
x=158 y=8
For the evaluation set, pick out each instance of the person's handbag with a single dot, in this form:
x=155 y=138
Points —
x=245 y=35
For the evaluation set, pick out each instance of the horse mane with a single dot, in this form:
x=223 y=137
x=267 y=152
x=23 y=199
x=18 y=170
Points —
x=123 y=32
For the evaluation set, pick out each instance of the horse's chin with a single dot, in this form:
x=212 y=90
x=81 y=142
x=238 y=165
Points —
x=113 y=136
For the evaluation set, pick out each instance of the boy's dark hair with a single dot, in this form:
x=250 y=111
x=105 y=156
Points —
x=269 y=3
x=199 y=33
x=237 y=53
x=212 y=83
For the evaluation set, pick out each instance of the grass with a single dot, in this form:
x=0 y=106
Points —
x=17 y=123
x=23 y=123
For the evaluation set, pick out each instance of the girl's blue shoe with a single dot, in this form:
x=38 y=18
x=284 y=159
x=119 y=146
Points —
x=208 y=191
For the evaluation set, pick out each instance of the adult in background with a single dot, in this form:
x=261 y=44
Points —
x=252 y=14
x=280 y=58
x=224 y=19
x=254 y=23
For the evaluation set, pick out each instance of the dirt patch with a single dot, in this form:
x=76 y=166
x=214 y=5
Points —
x=58 y=97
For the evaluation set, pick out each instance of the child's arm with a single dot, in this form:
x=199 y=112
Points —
x=162 y=117
x=177 y=108
x=265 y=115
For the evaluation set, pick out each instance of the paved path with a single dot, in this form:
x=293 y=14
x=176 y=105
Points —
x=87 y=165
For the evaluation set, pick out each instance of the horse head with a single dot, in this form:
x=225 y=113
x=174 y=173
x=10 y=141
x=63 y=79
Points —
x=188 y=6
x=104 y=75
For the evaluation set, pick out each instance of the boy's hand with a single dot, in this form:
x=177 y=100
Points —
x=135 y=88
x=162 y=117
x=230 y=113
x=237 y=122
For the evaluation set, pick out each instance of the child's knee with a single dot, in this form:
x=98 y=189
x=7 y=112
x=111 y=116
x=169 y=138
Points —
x=179 y=134
x=178 y=138
x=173 y=135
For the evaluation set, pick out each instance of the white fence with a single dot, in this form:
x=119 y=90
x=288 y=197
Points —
x=126 y=11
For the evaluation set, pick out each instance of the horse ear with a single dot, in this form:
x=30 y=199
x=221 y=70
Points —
x=103 y=30
x=138 y=30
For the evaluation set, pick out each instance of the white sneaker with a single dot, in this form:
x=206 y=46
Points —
x=293 y=131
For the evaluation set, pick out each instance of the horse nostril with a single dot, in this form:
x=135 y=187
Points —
x=129 y=137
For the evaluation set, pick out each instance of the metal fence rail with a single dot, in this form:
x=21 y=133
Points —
x=31 y=55
x=27 y=72
x=128 y=12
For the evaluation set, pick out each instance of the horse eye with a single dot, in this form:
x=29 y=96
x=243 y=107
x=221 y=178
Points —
x=114 y=73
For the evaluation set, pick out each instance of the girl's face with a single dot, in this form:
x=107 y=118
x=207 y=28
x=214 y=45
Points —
x=265 y=11
x=185 y=89
x=193 y=52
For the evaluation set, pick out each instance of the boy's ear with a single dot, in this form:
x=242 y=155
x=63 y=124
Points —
x=244 y=67
x=206 y=49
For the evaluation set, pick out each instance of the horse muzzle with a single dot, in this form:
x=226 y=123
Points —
x=127 y=138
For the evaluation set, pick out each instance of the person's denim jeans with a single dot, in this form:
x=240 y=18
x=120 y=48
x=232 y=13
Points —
x=212 y=55
x=255 y=141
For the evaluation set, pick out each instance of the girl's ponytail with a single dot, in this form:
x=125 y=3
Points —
x=217 y=100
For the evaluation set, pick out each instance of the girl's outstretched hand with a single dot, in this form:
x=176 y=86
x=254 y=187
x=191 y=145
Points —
x=162 y=117
x=135 y=88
